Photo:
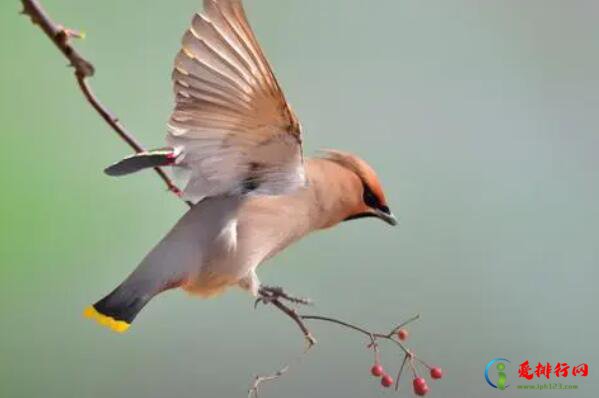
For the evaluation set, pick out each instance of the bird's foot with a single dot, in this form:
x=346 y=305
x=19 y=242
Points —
x=267 y=294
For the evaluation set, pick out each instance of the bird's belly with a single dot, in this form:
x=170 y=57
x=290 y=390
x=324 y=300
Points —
x=220 y=268
x=210 y=284
x=237 y=251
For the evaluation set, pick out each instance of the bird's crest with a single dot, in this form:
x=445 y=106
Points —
x=360 y=168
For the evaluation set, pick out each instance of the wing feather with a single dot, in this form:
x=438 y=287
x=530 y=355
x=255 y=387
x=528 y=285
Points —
x=231 y=122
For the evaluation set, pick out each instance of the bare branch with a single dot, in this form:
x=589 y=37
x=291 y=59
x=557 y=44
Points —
x=276 y=296
x=255 y=389
x=61 y=36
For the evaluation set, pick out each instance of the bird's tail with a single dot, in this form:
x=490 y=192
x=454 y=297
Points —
x=143 y=160
x=117 y=310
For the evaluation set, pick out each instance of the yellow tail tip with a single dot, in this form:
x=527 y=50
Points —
x=105 y=320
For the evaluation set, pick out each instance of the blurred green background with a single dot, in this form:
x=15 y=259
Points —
x=482 y=119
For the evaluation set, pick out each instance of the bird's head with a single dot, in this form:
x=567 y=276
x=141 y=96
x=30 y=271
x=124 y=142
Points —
x=371 y=201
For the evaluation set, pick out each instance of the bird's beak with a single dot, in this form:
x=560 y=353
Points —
x=387 y=217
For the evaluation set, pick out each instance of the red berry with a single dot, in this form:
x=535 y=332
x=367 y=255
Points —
x=420 y=387
x=419 y=381
x=421 y=390
x=436 y=373
x=377 y=370
x=402 y=334
x=387 y=381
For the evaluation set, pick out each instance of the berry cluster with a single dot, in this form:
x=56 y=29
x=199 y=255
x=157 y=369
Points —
x=419 y=384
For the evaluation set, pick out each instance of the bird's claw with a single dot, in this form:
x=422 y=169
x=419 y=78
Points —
x=270 y=293
x=260 y=300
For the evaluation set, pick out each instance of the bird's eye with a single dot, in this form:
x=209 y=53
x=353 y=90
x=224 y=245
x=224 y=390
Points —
x=370 y=199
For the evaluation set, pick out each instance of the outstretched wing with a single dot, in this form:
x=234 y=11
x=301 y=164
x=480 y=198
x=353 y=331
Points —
x=232 y=125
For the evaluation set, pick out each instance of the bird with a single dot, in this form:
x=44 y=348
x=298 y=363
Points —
x=236 y=145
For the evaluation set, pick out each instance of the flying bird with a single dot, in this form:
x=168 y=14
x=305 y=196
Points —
x=236 y=144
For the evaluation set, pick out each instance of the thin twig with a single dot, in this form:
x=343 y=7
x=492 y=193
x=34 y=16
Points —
x=255 y=389
x=292 y=313
x=61 y=36
x=403 y=324
x=400 y=372
x=274 y=296
x=371 y=335
x=341 y=323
